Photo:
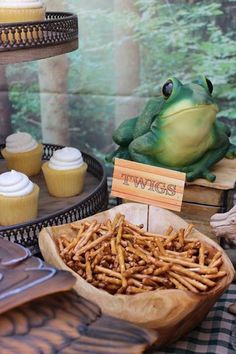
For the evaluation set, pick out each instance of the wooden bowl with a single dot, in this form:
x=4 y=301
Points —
x=172 y=312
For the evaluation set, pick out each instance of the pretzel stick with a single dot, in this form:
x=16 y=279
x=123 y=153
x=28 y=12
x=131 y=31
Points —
x=150 y=258
x=177 y=284
x=202 y=254
x=188 y=230
x=138 y=284
x=121 y=259
x=196 y=283
x=148 y=270
x=150 y=234
x=88 y=271
x=96 y=252
x=108 y=279
x=142 y=262
x=177 y=254
x=127 y=273
x=97 y=260
x=111 y=288
x=60 y=245
x=220 y=274
x=87 y=235
x=149 y=282
x=109 y=225
x=115 y=221
x=168 y=231
x=154 y=278
x=181 y=262
x=138 y=253
x=163 y=269
x=135 y=282
x=183 y=281
x=92 y=244
x=160 y=246
x=144 y=255
x=215 y=257
x=193 y=275
x=80 y=265
x=134 y=290
x=120 y=230
x=204 y=270
x=134 y=227
x=217 y=263
x=113 y=246
x=76 y=226
x=137 y=236
x=171 y=238
x=108 y=272
x=181 y=237
x=122 y=265
x=191 y=245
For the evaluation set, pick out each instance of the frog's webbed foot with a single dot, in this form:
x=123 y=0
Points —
x=231 y=152
x=195 y=171
x=208 y=175
x=121 y=153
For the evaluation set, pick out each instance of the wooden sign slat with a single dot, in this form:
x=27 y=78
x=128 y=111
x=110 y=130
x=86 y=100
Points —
x=148 y=184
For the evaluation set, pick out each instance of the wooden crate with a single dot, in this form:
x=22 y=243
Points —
x=202 y=199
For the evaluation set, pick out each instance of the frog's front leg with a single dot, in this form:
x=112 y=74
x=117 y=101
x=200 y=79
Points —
x=123 y=135
x=147 y=117
x=142 y=150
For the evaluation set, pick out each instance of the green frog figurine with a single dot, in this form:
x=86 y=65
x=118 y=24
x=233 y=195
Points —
x=178 y=131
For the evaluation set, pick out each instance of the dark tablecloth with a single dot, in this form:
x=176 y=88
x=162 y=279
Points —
x=215 y=335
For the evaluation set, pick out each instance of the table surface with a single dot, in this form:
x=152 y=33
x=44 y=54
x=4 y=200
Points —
x=213 y=336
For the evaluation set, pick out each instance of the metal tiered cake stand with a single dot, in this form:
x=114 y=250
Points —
x=23 y=41
x=20 y=42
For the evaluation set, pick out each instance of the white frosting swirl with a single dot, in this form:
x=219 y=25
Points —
x=8 y=4
x=20 y=142
x=15 y=184
x=66 y=159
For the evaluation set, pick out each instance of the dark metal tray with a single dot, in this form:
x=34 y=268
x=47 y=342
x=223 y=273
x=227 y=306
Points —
x=56 y=211
x=26 y=41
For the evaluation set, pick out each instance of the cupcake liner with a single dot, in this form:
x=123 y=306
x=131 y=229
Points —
x=8 y=15
x=11 y=15
x=16 y=210
x=67 y=183
x=28 y=162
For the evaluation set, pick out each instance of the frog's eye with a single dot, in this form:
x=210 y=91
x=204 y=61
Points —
x=167 y=89
x=209 y=85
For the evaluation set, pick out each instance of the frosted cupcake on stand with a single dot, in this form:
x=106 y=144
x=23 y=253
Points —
x=21 y=10
x=18 y=198
x=22 y=153
x=65 y=172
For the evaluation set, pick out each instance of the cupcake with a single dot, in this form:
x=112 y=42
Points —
x=65 y=172
x=18 y=198
x=22 y=153
x=21 y=11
